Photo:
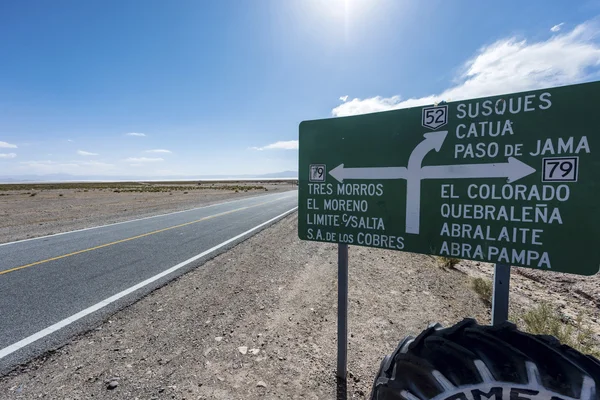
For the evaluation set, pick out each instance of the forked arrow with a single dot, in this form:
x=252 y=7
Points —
x=513 y=170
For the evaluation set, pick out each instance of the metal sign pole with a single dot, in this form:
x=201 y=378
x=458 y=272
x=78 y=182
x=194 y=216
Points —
x=342 y=356
x=500 y=295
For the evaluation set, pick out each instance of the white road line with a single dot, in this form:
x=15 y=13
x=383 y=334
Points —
x=67 y=321
x=141 y=219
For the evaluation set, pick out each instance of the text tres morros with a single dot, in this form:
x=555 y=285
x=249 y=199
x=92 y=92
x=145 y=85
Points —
x=346 y=189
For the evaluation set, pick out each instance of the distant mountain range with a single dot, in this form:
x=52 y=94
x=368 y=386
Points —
x=112 y=178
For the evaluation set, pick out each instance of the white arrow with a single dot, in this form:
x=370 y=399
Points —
x=433 y=141
x=513 y=170
x=340 y=173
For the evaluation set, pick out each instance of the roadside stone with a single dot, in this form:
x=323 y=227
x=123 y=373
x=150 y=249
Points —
x=112 y=385
x=255 y=351
x=219 y=338
x=243 y=349
x=261 y=384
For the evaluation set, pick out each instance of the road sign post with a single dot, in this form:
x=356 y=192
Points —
x=501 y=294
x=342 y=356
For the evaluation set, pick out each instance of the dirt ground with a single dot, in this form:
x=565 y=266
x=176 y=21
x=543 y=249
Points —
x=259 y=321
x=28 y=211
x=256 y=322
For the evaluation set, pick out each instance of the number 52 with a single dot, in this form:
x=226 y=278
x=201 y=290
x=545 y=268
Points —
x=434 y=116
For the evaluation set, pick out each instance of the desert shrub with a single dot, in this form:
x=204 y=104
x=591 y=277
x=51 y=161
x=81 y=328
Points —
x=545 y=320
x=483 y=288
x=447 y=262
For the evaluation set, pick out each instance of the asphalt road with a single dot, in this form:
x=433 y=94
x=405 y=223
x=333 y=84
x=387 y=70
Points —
x=54 y=287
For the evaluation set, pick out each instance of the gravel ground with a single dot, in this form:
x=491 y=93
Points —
x=256 y=322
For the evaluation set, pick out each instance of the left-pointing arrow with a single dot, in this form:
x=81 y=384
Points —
x=340 y=173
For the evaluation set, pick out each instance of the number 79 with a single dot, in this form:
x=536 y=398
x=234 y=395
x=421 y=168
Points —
x=564 y=166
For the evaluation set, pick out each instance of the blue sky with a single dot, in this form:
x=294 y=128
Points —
x=219 y=87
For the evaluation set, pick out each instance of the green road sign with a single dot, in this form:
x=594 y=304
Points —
x=507 y=179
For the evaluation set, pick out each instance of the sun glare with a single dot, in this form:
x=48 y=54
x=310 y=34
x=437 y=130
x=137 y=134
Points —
x=340 y=9
x=340 y=15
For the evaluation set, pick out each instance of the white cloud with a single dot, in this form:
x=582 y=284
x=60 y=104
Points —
x=135 y=134
x=158 y=151
x=44 y=162
x=508 y=65
x=557 y=28
x=286 y=145
x=96 y=164
x=143 y=159
x=42 y=167
x=344 y=98
x=48 y=167
x=5 y=145
x=69 y=140
x=7 y=155
x=86 y=153
x=365 y=106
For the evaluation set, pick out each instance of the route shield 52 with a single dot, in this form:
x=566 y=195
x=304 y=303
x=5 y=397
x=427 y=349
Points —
x=508 y=179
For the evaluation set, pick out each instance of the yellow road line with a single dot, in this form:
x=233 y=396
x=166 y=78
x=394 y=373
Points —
x=132 y=238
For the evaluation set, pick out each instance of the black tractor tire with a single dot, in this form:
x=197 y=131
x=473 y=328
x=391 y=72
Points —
x=469 y=361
